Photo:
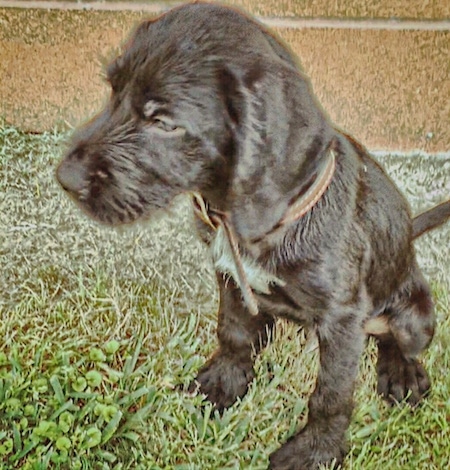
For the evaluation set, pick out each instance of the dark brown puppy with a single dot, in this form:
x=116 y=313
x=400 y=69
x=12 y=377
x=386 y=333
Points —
x=205 y=100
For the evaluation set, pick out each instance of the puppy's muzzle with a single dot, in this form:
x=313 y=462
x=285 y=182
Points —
x=72 y=176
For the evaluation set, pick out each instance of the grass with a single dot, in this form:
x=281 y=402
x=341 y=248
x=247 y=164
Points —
x=100 y=327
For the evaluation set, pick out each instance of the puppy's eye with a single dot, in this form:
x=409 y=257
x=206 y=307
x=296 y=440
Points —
x=165 y=125
x=158 y=121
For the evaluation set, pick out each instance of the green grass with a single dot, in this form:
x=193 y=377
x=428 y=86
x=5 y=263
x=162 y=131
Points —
x=99 y=327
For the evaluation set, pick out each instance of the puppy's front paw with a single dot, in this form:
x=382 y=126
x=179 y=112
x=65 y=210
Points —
x=307 y=450
x=399 y=378
x=223 y=379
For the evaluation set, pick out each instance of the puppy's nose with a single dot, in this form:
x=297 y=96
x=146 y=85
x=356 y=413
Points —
x=71 y=174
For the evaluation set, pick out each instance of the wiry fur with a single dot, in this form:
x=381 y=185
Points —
x=205 y=99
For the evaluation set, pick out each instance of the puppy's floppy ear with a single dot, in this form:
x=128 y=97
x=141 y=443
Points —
x=232 y=95
x=282 y=136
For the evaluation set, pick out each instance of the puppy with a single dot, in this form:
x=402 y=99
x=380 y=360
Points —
x=304 y=224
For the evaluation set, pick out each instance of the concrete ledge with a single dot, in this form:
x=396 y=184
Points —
x=388 y=88
x=390 y=9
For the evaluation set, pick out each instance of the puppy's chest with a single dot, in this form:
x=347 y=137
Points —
x=255 y=269
x=245 y=269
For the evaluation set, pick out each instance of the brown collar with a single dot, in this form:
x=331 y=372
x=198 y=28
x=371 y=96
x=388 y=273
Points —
x=310 y=198
x=297 y=210
x=215 y=218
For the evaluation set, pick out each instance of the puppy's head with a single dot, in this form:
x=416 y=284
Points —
x=203 y=99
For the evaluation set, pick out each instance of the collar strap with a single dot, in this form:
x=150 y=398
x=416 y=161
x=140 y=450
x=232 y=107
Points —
x=215 y=219
x=205 y=213
x=308 y=200
x=297 y=210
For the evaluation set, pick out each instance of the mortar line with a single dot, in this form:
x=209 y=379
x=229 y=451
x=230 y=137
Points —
x=277 y=22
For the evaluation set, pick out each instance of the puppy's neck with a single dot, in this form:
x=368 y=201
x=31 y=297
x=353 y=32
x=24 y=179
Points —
x=248 y=273
x=309 y=198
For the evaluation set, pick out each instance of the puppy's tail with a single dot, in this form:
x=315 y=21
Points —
x=430 y=219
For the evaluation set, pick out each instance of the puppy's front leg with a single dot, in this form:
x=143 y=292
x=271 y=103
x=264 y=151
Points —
x=341 y=342
x=226 y=376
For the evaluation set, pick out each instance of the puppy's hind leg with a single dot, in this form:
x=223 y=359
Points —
x=226 y=376
x=411 y=321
